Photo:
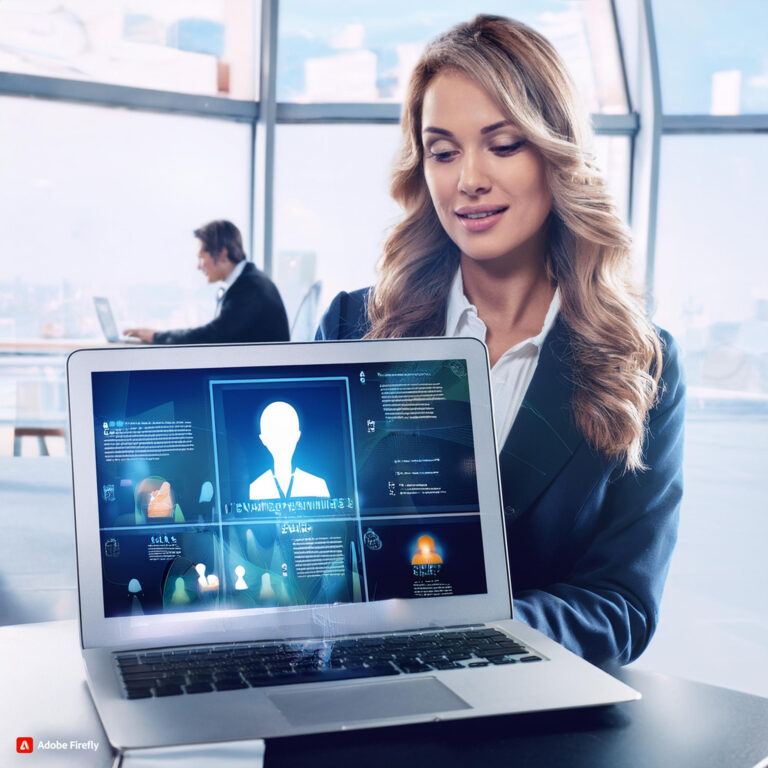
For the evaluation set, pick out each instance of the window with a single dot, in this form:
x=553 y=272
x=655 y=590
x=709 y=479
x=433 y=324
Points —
x=711 y=281
x=712 y=56
x=363 y=51
x=103 y=202
x=189 y=46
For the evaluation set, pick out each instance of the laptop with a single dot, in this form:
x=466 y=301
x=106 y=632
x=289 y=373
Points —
x=285 y=539
x=108 y=324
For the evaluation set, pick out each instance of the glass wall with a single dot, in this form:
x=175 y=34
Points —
x=712 y=56
x=186 y=46
x=710 y=287
x=100 y=201
x=711 y=283
x=363 y=51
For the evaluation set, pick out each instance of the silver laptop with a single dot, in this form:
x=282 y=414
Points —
x=284 y=539
x=108 y=324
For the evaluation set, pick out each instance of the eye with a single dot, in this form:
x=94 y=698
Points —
x=441 y=157
x=508 y=148
x=441 y=151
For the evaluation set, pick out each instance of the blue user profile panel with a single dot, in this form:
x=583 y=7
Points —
x=285 y=486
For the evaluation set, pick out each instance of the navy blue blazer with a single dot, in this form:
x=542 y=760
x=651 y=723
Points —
x=589 y=544
x=251 y=311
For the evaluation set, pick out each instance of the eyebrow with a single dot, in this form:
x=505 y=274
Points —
x=483 y=131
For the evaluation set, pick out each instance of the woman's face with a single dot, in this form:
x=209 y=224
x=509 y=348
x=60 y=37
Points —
x=487 y=183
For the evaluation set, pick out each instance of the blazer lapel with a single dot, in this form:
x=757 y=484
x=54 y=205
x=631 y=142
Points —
x=543 y=437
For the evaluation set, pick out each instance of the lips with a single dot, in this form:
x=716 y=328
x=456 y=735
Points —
x=479 y=218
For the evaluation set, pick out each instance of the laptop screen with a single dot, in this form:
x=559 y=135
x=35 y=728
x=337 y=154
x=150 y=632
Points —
x=297 y=485
x=106 y=318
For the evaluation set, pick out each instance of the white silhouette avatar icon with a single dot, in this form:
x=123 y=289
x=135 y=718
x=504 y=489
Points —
x=279 y=431
x=209 y=583
x=240 y=583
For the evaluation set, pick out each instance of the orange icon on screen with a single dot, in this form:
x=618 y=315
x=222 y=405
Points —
x=426 y=554
x=160 y=503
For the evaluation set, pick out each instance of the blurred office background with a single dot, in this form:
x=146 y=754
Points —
x=125 y=124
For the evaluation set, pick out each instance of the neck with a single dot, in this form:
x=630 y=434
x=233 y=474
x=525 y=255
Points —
x=283 y=470
x=225 y=268
x=512 y=295
x=508 y=298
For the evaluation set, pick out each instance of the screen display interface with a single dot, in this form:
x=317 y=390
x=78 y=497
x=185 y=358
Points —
x=290 y=486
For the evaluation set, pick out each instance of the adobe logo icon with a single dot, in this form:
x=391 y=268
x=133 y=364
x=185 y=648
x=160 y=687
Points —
x=25 y=744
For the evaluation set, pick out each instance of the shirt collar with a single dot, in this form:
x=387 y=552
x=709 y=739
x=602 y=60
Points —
x=234 y=274
x=458 y=306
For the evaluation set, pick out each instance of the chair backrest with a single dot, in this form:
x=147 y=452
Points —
x=305 y=320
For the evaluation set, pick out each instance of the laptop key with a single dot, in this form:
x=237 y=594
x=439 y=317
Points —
x=139 y=693
x=168 y=690
x=198 y=688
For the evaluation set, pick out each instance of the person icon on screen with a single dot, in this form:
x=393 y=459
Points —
x=279 y=432
x=426 y=552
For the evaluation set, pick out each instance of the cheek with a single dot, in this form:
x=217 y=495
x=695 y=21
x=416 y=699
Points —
x=438 y=186
x=532 y=192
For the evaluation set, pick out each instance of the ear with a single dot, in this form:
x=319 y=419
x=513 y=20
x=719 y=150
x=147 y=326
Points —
x=223 y=253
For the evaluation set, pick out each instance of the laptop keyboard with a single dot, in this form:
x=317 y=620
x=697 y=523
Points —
x=200 y=669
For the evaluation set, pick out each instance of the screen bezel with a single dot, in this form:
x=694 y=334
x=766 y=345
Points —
x=300 y=621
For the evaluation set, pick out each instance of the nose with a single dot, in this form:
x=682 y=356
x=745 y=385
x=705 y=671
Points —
x=473 y=178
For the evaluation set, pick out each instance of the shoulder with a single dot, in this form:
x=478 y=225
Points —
x=346 y=316
x=672 y=383
x=263 y=487
x=253 y=282
x=264 y=477
x=251 y=276
x=305 y=484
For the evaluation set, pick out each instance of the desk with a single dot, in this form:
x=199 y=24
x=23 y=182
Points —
x=679 y=724
x=48 y=345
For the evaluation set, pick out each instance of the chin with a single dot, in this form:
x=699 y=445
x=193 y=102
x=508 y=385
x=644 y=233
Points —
x=484 y=255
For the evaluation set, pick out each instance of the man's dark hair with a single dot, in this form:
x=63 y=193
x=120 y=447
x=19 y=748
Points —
x=221 y=234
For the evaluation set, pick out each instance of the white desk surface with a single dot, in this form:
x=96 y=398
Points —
x=44 y=696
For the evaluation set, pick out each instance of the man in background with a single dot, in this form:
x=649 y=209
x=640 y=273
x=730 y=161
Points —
x=248 y=306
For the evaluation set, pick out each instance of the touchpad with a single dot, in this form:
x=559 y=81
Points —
x=366 y=701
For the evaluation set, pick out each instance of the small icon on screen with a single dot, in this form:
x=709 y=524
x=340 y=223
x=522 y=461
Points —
x=25 y=744
x=112 y=548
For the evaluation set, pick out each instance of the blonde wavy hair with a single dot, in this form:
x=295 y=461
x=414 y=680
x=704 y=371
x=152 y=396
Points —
x=616 y=350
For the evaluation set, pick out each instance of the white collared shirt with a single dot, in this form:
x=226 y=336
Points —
x=513 y=371
x=227 y=282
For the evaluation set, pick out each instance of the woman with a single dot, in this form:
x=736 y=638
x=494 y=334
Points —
x=509 y=235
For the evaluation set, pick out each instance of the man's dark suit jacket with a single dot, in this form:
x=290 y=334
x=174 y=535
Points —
x=251 y=310
x=589 y=544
